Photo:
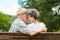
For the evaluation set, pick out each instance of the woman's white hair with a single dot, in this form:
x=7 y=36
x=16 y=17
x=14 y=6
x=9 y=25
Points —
x=35 y=12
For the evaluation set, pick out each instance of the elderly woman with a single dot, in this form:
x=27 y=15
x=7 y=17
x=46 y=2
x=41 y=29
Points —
x=35 y=26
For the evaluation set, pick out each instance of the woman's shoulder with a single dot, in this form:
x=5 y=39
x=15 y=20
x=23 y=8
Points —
x=30 y=24
x=42 y=23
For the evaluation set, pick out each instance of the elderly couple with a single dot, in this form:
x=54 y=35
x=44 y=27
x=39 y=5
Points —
x=31 y=29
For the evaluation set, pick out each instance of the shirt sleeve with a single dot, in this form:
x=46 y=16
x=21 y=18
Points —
x=15 y=25
x=42 y=24
x=28 y=29
x=13 y=28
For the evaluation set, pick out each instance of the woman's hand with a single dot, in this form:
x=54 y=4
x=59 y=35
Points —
x=35 y=31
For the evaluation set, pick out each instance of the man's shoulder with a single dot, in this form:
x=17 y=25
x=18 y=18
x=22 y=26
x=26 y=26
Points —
x=18 y=22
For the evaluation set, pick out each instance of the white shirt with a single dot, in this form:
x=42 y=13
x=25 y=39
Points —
x=35 y=26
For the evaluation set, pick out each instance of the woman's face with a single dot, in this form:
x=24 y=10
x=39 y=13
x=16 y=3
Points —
x=30 y=19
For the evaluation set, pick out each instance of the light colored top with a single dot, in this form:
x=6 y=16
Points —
x=35 y=26
x=18 y=25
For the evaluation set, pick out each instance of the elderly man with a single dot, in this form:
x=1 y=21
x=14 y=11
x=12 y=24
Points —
x=18 y=24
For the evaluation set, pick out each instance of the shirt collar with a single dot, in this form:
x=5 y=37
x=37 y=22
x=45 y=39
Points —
x=19 y=18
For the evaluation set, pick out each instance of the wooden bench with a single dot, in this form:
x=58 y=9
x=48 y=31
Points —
x=20 y=36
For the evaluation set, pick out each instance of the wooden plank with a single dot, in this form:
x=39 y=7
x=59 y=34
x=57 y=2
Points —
x=39 y=36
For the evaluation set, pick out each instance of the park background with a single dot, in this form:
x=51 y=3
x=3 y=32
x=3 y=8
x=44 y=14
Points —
x=49 y=13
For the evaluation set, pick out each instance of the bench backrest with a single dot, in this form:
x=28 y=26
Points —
x=20 y=36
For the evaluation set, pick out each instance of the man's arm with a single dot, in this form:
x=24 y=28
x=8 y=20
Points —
x=14 y=28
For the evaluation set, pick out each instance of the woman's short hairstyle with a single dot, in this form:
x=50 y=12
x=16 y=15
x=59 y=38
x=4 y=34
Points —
x=33 y=13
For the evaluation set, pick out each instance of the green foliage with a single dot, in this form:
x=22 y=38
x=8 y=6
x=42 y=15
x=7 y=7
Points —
x=44 y=7
x=5 y=22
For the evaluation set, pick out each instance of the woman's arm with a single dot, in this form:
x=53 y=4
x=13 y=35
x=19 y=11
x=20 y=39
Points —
x=44 y=29
x=33 y=32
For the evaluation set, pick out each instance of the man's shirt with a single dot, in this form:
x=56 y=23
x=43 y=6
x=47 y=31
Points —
x=18 y=25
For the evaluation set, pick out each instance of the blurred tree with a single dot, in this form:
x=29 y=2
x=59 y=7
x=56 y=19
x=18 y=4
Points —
x=44 y=7
x=5 y=22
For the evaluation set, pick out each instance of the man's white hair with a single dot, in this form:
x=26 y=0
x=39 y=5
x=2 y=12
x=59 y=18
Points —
x=21 y=11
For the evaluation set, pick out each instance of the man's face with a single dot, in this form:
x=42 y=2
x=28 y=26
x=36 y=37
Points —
x=24 y=17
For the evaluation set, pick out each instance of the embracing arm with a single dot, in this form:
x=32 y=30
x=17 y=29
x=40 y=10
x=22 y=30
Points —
x=44 y=29
x=33 y=32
